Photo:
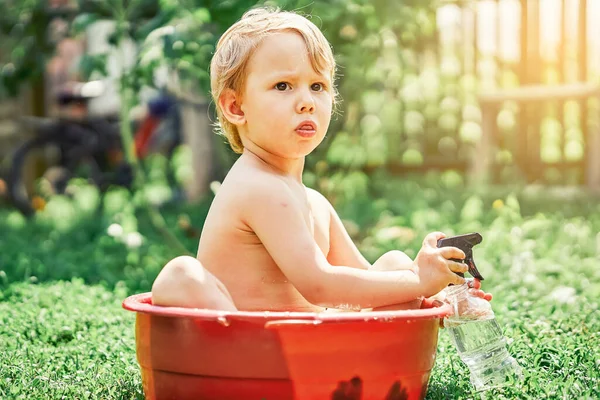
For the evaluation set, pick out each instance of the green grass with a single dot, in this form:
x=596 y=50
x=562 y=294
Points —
x=66 y=340
x=71 y=340
x=66 y=337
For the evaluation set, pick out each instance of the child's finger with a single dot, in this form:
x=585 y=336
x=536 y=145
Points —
x=477 y=293
x=457 y=280
x=432 y=239
x=481 y=294
x=452 y=252
x=437 y=303
x=457 y=266
x=474 y=283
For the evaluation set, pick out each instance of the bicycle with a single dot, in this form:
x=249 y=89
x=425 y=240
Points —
x=90 y=147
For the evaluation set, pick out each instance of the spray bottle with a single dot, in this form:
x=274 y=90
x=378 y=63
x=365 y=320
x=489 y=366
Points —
x=473 y=327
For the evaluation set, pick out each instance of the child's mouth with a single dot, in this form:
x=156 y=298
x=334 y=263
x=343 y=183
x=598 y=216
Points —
x=306 y=130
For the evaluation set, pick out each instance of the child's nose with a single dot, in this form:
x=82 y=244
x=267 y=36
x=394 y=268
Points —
x=306 y=104
x=307 y=108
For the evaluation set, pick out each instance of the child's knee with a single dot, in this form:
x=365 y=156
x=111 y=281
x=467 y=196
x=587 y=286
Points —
x=409 y=305
x=181 y=266
x=184 y=282
x=178 y=273
x=392 y=260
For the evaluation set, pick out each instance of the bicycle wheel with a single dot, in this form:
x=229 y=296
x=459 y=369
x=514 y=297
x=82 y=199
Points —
x=18 y=194
x=57 y=176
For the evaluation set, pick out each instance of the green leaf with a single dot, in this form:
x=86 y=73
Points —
x=202 y=15
x=82 y=22
x=93 y=63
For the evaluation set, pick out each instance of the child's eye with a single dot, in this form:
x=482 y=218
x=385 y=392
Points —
x=317 y=87
x=282 y=86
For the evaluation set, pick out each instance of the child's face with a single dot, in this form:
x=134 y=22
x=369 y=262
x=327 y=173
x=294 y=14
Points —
x=283 y=96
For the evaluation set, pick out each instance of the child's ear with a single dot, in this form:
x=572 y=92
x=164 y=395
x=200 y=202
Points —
x=230 y=105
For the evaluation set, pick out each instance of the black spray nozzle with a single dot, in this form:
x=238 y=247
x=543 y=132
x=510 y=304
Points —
x=465 y=243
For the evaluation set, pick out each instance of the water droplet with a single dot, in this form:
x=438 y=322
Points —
x=223 y=321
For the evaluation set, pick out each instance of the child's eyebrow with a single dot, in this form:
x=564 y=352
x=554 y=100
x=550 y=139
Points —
x=282 y=75
x=294 y=75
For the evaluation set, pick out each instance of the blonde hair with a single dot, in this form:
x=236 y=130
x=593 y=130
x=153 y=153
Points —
x=235 y=47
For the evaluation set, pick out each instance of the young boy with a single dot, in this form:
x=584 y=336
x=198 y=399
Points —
x=270 y=243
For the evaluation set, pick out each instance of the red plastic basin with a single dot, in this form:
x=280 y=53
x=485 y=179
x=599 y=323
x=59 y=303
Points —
x=207 y=354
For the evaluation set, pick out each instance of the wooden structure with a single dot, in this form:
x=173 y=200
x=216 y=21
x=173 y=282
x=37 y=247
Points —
x=534 y=93
x=528 y=153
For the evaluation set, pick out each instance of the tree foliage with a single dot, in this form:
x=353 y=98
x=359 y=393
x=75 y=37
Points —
x=392 y=87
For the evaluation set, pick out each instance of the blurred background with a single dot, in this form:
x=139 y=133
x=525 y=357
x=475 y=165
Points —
x=450 y=112
x=456 y=116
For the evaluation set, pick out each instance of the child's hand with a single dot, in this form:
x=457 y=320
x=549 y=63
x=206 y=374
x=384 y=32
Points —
x=434 y=267
x=475 y=285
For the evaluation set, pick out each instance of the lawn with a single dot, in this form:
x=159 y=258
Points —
x=66 y=340
x=63 y=333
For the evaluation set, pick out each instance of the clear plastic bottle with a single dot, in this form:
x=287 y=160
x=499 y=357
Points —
x=478 y=339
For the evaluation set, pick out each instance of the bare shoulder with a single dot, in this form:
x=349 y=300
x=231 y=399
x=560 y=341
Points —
x=249 y=187
x=318 y=200
x=315 y=194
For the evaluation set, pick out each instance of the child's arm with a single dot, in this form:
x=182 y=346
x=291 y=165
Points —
x=275 y=216
x=343 y=251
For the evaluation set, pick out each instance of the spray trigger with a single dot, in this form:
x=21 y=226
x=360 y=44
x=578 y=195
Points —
x=465 y=243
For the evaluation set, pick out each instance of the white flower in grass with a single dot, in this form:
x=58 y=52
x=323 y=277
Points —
x=530 y=278
x=133 y=240
x=563 y=294
x=115 y=230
